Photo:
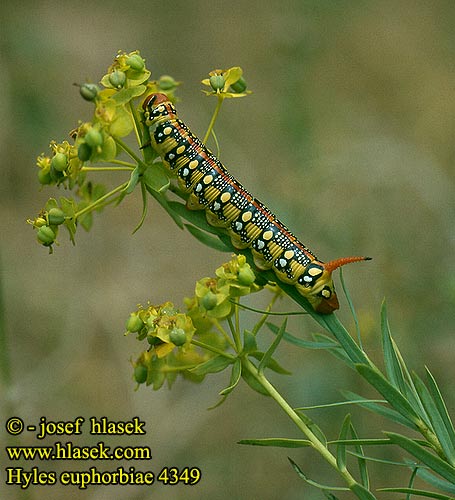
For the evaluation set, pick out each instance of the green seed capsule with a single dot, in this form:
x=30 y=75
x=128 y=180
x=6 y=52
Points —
x=177 y=336
x=59 y=162
x=239 y=86
x=217 y=82
x=44 y=177
x=134 y=323
x=140 y=374
x=117 y=79
x=209 y=300
x=246 y=276
x=84 y=152
x=94 y=138
x=166 y=82
x=56 y=216
x=136 y=62
x=45 y=235
x=89 y=91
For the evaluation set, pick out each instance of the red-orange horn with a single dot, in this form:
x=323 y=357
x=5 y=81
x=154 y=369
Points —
x=335 y=264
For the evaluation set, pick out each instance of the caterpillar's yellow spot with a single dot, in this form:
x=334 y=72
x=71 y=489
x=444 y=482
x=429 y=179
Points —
x=314 y=271
x=289 y=254
x=167 y=130
x=180 y=150
x=225 y=197
x=268 y=235
x=246 y=216
x=208 y=179
x=193 y=164
x=326 y=293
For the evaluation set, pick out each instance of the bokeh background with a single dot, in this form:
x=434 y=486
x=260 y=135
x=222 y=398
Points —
x=348 y=136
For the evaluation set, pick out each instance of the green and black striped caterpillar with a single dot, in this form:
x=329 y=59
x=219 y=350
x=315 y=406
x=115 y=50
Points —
x=228 y=204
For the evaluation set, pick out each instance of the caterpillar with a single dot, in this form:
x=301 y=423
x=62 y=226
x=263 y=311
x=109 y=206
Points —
x=228 y=204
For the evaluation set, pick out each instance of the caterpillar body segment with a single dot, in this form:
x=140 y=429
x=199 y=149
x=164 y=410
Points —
x=228 y=204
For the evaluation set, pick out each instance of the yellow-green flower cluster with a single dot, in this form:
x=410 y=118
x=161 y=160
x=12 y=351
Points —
x=163 y=326
x=170 y=352
x=214 y=295
x=226 y=83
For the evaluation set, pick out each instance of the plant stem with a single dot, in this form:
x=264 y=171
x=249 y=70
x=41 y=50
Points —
x=106 y=169
x=212 y=349
x=100 y=200
x=315 y=443
x=214 y=117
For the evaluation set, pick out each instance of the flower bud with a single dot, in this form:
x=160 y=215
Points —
x=44 y=176
x=39 y=222
x=209 y=300
x=94 y=138
x=246 y=276
x=59 y=162
x=166 y=82
x=134 y=323
x=89 y=91
x=177 y=336
x=135 y=62
x=56 y=216
x=84 y=151
x=140 y=374
x=239 y=86
x=45 y=235
x=117 y=79
x=217 y=82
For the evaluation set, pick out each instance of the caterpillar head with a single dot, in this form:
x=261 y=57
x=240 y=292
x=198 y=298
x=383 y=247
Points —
x=316 y=283
x=158 y=106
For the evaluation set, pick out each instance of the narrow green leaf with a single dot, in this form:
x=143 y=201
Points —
x=144 y=208
x=267 y=356
x=341 y=447
x=315 y=429
x=341 y=403
x=441 y=406
x=391 y=362
x=391 y=393
x=272 y=363
x=235 y=377
x=134 y=178
x=362 y=463
x=361 y=492
x=433 y=480
x=253 y=383
x=213 y=365
x=301 y=474
x=414 y=491
x=249 y=342
x=424 y=455
x=379 y=409
x=437 y=421
x=207 y=239
x=306 y=344
x=278 y=442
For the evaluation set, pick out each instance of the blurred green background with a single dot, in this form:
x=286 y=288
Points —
x=348 y=136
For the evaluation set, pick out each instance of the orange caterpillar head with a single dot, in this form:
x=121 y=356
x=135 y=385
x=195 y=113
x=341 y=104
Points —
x=316 y=283
x=158 y=106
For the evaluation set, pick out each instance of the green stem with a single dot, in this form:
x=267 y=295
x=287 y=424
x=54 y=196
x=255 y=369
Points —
x=317 y=445
x=129 y=151
x=136 y=122
x=261 y=322
x=224 y=333
x=100 y=200
x=214 y=117
x=212 y=349
x=106 y=169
